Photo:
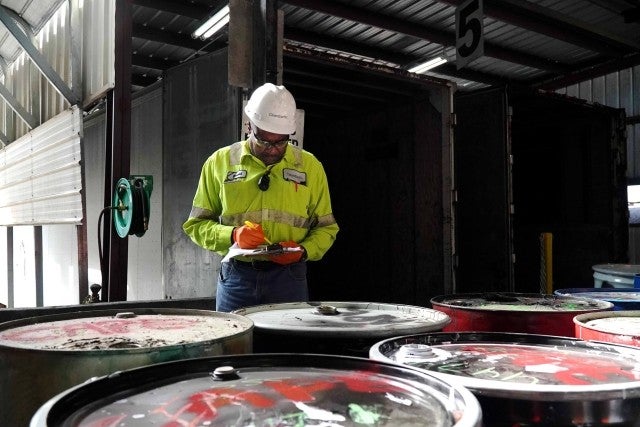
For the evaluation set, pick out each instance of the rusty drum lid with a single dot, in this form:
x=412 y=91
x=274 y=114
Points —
x=265 y=390
x=112 y=330
x=345 y=319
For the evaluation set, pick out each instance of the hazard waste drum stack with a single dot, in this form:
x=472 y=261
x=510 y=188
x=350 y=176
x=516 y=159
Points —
x=45 y=355
x=515 y=312
x=336 y=327
x=265 y=390
x=527 y=379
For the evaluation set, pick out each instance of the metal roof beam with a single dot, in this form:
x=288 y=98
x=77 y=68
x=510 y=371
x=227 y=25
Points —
x=401 y=59
x=297 y=64
x=587 y=72
x=336 y=43
x=545 y=21
x=142 y=80
x=15 y=105
x=444 y=38
x=166 y=37
x=152 y=62
x=176 y=7
x=371 y=70
x=343 y=90
x=40 y=61
x=4 y=140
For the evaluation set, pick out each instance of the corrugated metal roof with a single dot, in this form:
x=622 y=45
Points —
x=34 y=12
x=539 y=43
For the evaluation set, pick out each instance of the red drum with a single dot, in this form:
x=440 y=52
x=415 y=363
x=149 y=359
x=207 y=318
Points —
x=620 y=327
x=515 y=312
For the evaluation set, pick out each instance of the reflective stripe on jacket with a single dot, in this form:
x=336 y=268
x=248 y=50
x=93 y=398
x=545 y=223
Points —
x=296 y=206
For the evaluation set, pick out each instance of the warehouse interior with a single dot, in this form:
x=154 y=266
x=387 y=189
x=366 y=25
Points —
x=438 y=178
x=502 y=168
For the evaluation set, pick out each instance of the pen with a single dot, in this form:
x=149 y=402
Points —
x=254 y=226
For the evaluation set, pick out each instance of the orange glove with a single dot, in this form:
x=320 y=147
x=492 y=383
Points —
x=248 y=237
x=288 y=257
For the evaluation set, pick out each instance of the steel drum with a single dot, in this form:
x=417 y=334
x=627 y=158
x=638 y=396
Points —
x=620 y=327
x=622 y=299
x=530 y=380
x=344 y=328
x=42 y=356
x=515 y=312
x=265 y=390
x=615 y=275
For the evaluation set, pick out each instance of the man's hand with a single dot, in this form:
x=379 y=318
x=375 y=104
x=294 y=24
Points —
x=248 y=237
x=288 y=257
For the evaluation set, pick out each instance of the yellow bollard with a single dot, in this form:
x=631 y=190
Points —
x=546 y=263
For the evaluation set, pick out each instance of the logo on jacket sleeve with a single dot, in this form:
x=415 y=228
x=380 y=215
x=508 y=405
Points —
x=234 y=176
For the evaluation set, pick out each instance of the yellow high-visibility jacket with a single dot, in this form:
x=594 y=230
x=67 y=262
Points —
x=296 y=206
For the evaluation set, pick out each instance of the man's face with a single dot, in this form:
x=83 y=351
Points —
x=268 y=147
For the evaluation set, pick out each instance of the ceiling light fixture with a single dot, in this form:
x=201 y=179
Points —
x=213 y=24
x=426 y=66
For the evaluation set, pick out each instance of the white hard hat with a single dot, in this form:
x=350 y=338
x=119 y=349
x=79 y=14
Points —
x=272 y=108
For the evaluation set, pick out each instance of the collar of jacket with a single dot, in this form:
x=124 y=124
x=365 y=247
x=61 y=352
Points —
x=240 y=149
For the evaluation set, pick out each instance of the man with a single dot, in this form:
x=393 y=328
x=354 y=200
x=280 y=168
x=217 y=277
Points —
x=258 y=191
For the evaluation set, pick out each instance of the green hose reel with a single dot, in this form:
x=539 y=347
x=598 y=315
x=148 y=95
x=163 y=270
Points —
x=131 y=203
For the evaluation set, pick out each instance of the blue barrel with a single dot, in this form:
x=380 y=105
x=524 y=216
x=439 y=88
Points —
x=621 y=298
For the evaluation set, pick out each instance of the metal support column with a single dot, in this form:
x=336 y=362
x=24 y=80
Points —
x=118 y=147
x=37 y=244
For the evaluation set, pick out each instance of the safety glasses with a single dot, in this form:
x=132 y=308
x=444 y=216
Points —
x=269 y=144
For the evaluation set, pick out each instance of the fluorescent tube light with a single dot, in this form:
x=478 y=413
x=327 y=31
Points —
x=213 y=24
x=426 y=66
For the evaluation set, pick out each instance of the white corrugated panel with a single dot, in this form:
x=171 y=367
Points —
x=40 y=174
x=98 y=40
x=620 y=89
x=29 y=85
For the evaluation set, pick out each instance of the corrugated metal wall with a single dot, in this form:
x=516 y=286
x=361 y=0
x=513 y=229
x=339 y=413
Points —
x=619 y=90
x=95 y=27
x=40 y=174
x=98 y=48
x=28 y=84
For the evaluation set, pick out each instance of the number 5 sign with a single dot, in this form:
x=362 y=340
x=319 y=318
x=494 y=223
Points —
x=469 y=32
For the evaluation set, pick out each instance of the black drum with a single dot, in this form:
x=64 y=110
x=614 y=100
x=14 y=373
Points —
x=265 y=390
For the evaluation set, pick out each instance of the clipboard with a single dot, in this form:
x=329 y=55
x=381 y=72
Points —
x=260 y=251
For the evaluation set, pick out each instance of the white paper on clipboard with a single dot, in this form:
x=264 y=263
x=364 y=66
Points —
x=235 y=251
